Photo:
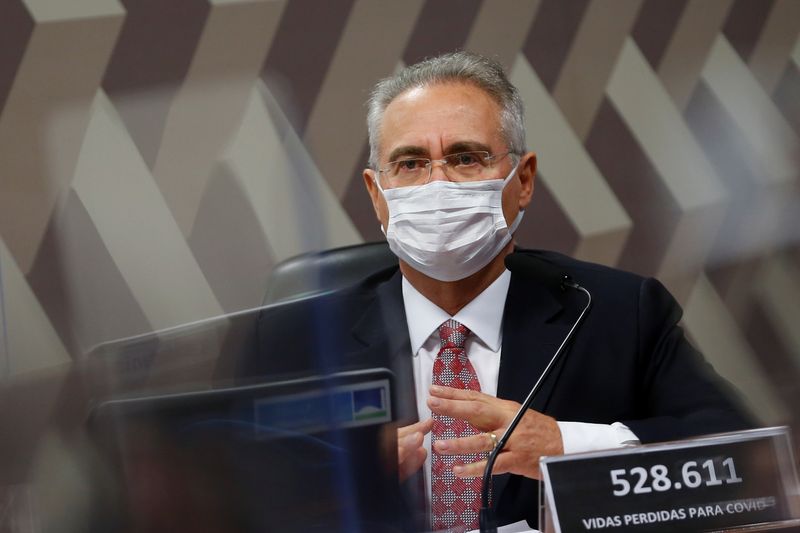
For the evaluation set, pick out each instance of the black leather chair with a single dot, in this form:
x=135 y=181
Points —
x=319 y=272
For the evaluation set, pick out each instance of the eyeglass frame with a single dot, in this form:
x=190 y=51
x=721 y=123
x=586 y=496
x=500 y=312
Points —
x=429 y=165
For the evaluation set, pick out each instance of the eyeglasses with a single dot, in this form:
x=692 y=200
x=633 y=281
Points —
x=464 y=166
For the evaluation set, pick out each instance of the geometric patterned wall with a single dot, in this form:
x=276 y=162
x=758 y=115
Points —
x=157 y=158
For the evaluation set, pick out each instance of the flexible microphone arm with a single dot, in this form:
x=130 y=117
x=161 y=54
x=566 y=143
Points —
x=486 y=516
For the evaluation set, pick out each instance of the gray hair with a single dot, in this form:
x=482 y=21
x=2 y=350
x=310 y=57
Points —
x=461 y=66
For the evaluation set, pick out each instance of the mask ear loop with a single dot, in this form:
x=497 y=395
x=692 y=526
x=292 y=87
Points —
x=511 y=174
x=376 y=178
x=518 y=219
x=514 y=225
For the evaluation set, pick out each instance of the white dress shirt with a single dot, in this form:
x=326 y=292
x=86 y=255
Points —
x=484 y=317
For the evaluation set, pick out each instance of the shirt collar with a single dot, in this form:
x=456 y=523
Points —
x=483 y=315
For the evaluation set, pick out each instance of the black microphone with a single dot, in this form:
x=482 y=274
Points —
x=556 y=282
x=546 y=273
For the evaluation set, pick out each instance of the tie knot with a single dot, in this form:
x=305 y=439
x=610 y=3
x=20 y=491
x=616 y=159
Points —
x=453 y=334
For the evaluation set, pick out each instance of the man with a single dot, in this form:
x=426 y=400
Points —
x=449 y=180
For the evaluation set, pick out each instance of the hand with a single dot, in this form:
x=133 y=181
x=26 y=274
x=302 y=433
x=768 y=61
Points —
x=410 y=453
x=536 y=434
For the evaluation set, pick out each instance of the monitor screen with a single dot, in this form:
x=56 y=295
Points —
x=312 y=454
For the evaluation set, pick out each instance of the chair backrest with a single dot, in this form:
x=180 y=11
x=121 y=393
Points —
x=328 y=270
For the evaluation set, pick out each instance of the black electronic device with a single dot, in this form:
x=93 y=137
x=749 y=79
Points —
x=311 y=454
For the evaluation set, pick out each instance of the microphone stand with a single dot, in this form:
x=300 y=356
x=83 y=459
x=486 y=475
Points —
x=486 y=518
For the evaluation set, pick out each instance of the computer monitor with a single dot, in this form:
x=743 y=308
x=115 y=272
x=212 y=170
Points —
x=310 y=454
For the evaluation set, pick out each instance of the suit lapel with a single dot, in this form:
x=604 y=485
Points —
x=532 y=330
x=383 y=333
x=534 y=324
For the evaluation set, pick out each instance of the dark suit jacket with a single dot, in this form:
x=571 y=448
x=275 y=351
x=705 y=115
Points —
x=629 y=362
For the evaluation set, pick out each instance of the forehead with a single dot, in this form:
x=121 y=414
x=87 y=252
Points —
x=434 y=117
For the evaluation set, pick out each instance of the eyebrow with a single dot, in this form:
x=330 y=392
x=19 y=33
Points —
x=467 y=146
x=401 y=151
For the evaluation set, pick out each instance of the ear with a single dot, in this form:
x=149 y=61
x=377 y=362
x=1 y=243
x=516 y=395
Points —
x=375 y=194
x=527 y=177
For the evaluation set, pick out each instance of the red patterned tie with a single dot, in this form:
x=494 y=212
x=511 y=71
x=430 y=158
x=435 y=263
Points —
x=454 y=501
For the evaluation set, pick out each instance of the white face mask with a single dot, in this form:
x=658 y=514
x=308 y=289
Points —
x=447 y=230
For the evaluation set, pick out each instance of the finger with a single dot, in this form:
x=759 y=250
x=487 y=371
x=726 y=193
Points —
x=407 y=445
x=423 y=426
x=482 y=415
x=472 y=469
x=509 y=462
x=504 y=463
x=450 y=393
x=481 y=442
x=413 y=463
